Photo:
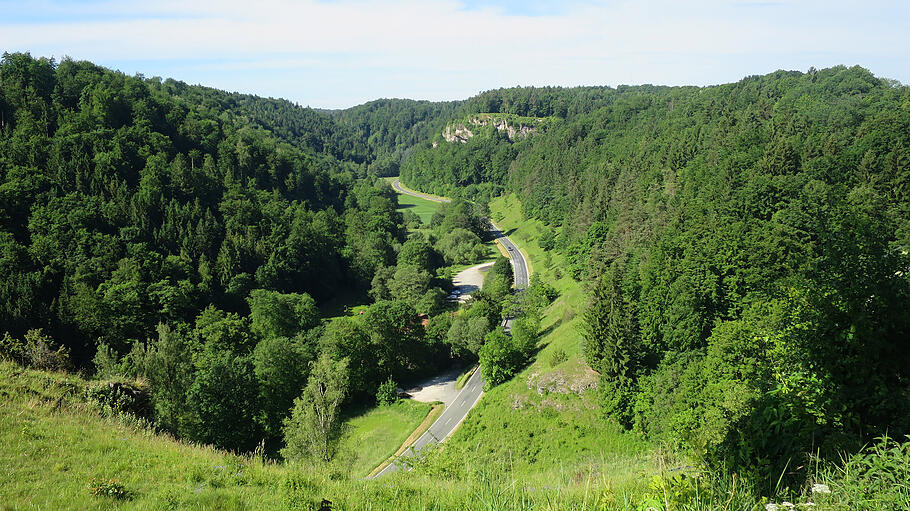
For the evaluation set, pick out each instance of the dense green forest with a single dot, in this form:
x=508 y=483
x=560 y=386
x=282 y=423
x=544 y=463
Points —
x=191 y=237
x=743 y=248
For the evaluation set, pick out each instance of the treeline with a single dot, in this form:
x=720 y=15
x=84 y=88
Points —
x=747 y=249
x=303 y=127
x=123 y=206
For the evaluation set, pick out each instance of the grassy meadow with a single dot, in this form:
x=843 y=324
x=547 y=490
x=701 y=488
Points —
x=422 y=207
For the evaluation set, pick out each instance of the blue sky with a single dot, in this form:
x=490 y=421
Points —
x=338 y=53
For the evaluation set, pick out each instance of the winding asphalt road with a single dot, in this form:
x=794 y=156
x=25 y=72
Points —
x=445 y=425
x=472 y=391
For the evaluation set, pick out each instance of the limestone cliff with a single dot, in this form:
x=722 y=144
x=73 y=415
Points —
x=514 y=128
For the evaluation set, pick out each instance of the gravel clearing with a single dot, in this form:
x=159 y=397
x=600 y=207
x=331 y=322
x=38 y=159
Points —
x=438 y=388
x=470 y=280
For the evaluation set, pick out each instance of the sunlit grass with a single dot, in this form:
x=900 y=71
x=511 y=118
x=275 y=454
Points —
x=373 y=436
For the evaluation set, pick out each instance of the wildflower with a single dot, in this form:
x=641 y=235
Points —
x=771 y=506
x=820 y=488
x=788 y=505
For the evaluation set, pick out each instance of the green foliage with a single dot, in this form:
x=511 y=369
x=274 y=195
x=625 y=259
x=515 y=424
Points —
x=116 y=398
x=109 y=488
x=274 y=314
x=222 y=401
x=165 y=199
x=611 y=339
x=460 y=246
x=466 y=334
x=280 y=365
x=875 y=478
x=314 y=426
x=168 y=365
x=501 y=357
x=36 y=350
x=557 y=357
x=106 y=362
x=299 y=492
x=387 y=394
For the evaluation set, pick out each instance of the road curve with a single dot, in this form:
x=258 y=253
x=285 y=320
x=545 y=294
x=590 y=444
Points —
x=472 y=391
x=445 y=425
x=396 y=184
x=519 y=264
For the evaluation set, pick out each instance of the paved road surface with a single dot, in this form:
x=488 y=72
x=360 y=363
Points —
x=470 y=394
x=451 y=417
x=519 y=265
x=396 y=184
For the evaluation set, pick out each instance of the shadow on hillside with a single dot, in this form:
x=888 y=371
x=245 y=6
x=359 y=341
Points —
x=548 y=330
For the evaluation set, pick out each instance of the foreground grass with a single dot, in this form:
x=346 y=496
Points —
x=51 y=448
x=53 y=445
x=373 y=436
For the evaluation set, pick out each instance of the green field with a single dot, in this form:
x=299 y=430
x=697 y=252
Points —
x=422 y=207
x=370 y=438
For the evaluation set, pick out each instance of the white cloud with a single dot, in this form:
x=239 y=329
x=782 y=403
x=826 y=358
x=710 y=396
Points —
x=348 y=51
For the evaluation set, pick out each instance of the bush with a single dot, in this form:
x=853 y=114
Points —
x=116 y=398
x=557 y=357
x=35 y=350
x=109 y=488
x=500 y=358
x=106 y=362
x=387 y=394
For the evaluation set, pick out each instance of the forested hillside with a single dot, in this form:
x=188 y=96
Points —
x=152 y=229
x=743 y=251
x=745 y=246
x=390 y=128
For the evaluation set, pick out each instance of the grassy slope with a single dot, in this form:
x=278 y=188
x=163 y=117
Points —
x=48 y=456
x=375 y=435
x=50 y=453
x=554 y=440
x=424 y=208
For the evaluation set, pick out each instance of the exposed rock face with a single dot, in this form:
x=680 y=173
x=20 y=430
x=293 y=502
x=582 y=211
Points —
x=461 y=133
x=457 y=133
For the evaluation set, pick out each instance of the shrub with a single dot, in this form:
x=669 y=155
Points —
x=500 y=358
x=387 y=394
x=557 y=357
x=35 y=350
x=109 y=488
x=115 y=398
x=106 y=362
